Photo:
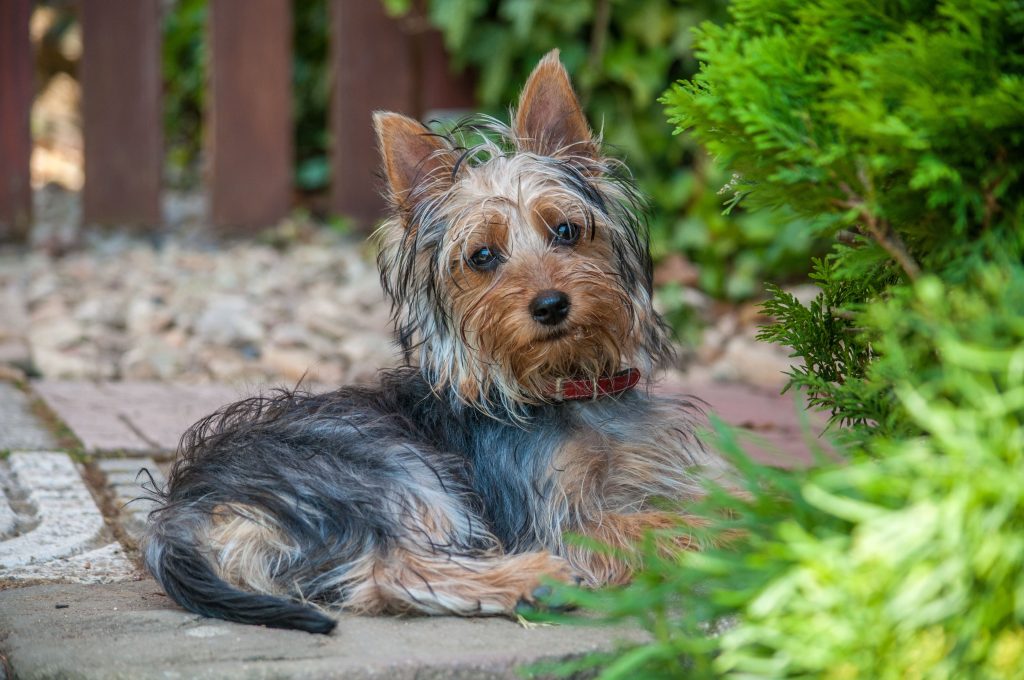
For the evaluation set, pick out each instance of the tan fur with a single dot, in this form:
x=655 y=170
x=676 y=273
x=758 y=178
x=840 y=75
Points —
x=413 y=156
x=405 y=582
x=246 y=547
x=622 y=535
x=549 y=118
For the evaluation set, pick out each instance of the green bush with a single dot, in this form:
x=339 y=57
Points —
x=620 y=55
x=898 y=128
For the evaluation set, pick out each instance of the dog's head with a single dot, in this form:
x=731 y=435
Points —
x=516 y=256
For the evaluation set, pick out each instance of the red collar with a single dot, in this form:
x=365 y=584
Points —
x=569 y=389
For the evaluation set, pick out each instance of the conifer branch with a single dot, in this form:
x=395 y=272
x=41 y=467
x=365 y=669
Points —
x=882 y=232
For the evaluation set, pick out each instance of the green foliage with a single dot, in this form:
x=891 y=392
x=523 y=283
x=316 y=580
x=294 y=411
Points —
x=312 y=93
x=183 y=60
x=908 y=561
x=901 y=127
x=897 y=127
x=620 y=54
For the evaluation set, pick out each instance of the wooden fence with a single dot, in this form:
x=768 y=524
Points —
x=376 y=62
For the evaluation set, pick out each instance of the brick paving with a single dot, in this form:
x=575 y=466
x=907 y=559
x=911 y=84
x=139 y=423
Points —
x=53 y=531
x=131 y=416
x=149 y=417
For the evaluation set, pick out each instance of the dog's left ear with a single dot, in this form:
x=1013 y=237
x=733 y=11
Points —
x=416 y=161
x=549 y=120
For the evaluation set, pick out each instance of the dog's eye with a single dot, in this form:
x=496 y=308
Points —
x=484 y=259
x=566 y=233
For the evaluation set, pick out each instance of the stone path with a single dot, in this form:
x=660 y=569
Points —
x=130 y=631
x=19 y=428
x=74 y=603
x=147 y=417
x=54 y=528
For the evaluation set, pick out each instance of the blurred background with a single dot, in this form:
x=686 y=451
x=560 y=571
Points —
x=190 y=182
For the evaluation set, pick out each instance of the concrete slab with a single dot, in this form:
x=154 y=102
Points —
x=19 y=428
x=130 y=488
x=132 y=631
x=58 y=531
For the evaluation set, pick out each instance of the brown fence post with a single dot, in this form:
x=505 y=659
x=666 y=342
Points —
x=15 y=109
x=250 y=112
x=440 y=88
x=371 y=68
x=121 y=112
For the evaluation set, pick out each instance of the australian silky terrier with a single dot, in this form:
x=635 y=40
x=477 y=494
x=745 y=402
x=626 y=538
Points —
x=517 y=263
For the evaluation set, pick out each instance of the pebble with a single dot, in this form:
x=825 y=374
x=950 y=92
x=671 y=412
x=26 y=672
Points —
x=123 y=308
x=182 y=307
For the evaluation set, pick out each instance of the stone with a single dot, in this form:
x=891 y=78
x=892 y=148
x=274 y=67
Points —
x=804 y=293
x=229 y=319
x=85 y=361
x=59 y=532
x=290 y=363
x=8 y=517
x=15 y=351
x=151 y=358
x=756 y=363
x=132 y=630
x=91 y=414
x=132 y=482
x=146 y=317
x=19 y=428
x=291 y=335
x=97 y=311
x=58 y=333
x=222 y=363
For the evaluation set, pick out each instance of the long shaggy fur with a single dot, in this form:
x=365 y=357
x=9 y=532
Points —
x=450 y=486
x=472 y=182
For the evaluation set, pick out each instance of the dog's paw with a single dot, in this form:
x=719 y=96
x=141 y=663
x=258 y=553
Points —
x=544 y=595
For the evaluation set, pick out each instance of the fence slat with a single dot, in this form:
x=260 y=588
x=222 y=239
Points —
x=15 y=108
x=441 y=89
x=371 y=69
x=121 y=114
x=250 y=113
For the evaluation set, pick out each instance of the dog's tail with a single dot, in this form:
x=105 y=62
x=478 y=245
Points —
x=190 y=580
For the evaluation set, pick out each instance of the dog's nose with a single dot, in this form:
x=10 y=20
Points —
x=550 y=307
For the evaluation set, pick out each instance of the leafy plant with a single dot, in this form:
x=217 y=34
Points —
x=897 y=128
x=184 y=73
x=620 y=55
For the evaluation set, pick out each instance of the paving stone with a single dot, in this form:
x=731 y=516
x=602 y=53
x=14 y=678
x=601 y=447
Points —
x=59 y=531
x=91 y=414
x=19 y=428
x=8 y=518
x=130 y=487
x=771 y=424
x=161 y=412
x=135 y=416
x=146 y=416
x=132 y=416
x=132 y=630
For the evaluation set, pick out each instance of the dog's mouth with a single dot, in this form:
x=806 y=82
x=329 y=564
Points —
x=563 y=332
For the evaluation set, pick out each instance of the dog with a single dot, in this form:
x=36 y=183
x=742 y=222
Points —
x=516 y=259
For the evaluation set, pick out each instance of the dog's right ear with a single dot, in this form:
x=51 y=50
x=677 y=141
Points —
x=417 y=162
